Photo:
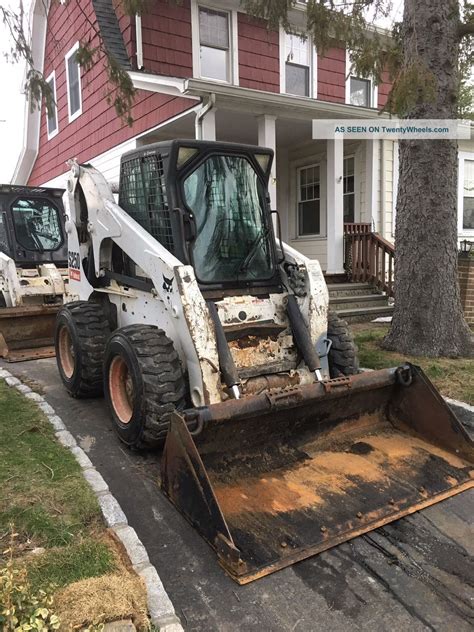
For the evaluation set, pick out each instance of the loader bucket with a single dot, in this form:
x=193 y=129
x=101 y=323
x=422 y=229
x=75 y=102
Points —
x=27 y=333
x=275 y=478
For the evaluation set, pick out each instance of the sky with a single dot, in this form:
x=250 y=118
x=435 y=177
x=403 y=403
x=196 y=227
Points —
x=12 y=100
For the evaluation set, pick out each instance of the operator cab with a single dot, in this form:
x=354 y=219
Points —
x=32 y=225
x=208 y=204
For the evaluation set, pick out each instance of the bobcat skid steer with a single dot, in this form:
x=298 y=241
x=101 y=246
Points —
x=33 y=270
x=206 y=331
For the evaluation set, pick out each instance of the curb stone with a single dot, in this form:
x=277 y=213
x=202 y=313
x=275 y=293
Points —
x=160 y=607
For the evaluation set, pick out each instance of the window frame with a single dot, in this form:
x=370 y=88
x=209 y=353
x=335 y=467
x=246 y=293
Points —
x=313 y=67
x=354 y=193
x=322 y=222
x=233 y=62
x=72 y=51
x=373 y=91
x=52 y=134
x=463 y=156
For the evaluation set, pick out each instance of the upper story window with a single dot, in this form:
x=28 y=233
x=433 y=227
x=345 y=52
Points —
x=73 y=78
x=52 y=117
x=360 y=91
x=309 y=200
x=215 y=49
x=298 y=65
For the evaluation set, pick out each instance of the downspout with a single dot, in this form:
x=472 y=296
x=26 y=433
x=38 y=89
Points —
x=139 y=40
x=201 y=113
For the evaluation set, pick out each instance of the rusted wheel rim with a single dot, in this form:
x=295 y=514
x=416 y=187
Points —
x=121 y=389
x=66 y=352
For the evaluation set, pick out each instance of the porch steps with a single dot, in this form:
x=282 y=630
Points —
x=358 y=302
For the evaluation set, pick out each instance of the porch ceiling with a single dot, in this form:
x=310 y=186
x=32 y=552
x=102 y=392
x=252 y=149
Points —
x=234 y=127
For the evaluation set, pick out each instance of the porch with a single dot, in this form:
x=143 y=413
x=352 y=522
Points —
x=317 y=185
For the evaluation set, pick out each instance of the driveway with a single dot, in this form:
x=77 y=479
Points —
x=415 y=574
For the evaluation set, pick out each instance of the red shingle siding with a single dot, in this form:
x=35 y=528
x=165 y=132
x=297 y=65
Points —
x=332 y=75
x=98 y=128
x=167 y=44
x=384 y=90
x=259 y=50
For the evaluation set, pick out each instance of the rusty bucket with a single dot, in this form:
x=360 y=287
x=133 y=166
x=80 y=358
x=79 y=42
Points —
x=278 y=477
x=26 y=333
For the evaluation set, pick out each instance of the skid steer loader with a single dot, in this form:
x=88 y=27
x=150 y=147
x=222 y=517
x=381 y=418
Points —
x=205 y=330
x=33 y=270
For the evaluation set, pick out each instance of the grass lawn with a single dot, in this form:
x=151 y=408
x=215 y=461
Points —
x=44 y=498
x=453 y=377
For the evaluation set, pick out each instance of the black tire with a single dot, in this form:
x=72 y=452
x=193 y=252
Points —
x=143 y=384
x=80 y=337
x=343 y=356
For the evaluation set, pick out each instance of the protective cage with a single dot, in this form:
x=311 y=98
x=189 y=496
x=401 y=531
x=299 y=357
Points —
x=277 y=477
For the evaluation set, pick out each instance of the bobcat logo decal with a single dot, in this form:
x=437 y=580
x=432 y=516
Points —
x=167 y=284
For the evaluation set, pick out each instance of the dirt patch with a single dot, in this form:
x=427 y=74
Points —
x=112 y=597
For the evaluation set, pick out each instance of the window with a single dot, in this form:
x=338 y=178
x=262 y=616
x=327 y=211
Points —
x=297 y=65
x=52 y=117
x=37 y=224
x=468 y=196
x=309 y=201
x=349 y=190
x=214 y=44
x=73 y=77
x=360 y=91
x=232 y=242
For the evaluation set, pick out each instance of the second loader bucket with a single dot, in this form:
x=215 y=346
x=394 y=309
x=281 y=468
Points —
x=27 y=333
x=277 y=477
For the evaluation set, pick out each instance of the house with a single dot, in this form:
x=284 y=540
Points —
x=208 y=70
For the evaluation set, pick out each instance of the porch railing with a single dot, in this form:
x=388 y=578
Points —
x=368 y=257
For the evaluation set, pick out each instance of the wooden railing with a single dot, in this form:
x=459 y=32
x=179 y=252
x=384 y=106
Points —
x=369 y=258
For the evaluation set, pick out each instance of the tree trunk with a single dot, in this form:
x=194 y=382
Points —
x=428 y=318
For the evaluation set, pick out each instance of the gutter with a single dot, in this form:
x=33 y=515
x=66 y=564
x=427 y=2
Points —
x=139 y=40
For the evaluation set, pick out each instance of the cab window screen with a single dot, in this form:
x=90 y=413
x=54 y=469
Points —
x=143 y=197
x=37 y=224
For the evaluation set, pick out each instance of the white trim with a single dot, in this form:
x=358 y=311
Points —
x=335 y=206
x=67 y=57
x=32 y=117
x=374 y=90
x=282 y=105
x=313 y=67
x=233 y=42
x=55 y=105
x=463 y=232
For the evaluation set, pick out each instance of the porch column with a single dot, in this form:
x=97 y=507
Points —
x=371 y=181
x=267 y=138
x=208 y=125
x=335 y=206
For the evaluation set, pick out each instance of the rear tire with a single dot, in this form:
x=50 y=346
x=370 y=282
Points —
x=80 y=337
x=343 y=356
x=143 y=384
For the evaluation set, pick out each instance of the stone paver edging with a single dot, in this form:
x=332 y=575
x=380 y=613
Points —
x=161 y=610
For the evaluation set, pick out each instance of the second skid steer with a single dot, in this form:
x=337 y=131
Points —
x=206 y=332
x=33 y=270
